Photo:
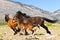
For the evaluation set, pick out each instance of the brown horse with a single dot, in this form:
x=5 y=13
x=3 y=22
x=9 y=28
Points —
x=21 y=25
x=33 y=21
x=11 y=24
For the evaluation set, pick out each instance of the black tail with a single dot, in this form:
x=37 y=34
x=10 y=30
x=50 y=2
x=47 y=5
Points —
x=6 y=17
x=51 y=21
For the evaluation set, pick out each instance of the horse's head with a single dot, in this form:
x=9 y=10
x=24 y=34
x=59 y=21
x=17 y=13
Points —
x=19 y=16
x=6 y=17
x=19 y=13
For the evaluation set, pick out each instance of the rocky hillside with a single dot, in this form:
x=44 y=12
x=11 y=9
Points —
x=10 y=7
x=57 y=14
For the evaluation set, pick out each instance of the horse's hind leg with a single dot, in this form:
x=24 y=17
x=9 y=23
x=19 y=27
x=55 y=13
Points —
x=32 y=31
x=38 y=26
x=26 y=33
x=45 y=28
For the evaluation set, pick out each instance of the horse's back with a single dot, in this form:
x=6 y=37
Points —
x=35 y=19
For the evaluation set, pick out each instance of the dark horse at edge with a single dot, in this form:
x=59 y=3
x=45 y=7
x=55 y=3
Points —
x=34 y=21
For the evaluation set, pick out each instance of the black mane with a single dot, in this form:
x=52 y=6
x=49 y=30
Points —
x=23 y=14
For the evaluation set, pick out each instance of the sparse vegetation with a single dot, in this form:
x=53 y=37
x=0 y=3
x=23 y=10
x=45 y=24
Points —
x=7 y=34
x=2 y=22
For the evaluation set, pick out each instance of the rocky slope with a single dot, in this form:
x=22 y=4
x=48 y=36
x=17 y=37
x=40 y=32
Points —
x=10 y=7
x=56 y=14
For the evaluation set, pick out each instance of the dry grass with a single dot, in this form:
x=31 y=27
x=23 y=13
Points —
x=7 y=34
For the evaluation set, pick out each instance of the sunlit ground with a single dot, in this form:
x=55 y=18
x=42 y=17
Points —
x=7 y=34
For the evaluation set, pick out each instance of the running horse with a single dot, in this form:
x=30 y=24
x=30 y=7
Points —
x=22 y=26
x=11 y=24
x=31 y=22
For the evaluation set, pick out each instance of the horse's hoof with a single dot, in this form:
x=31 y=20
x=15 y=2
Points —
x=15 y=33
x=49 y=32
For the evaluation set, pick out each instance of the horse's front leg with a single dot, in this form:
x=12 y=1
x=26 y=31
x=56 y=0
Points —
x=15 y=31
x=18 y=30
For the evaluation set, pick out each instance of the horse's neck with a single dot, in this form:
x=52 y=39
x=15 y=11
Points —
x=10 y=20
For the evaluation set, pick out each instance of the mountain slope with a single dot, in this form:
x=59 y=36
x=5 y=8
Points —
x=10 y=7
x=56 y=14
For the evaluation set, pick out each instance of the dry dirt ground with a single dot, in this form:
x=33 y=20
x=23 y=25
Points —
x=7 y=34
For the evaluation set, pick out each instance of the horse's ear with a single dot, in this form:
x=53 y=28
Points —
x=5 y=14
